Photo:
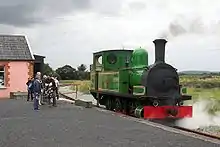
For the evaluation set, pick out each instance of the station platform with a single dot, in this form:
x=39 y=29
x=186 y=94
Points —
x=68 y=125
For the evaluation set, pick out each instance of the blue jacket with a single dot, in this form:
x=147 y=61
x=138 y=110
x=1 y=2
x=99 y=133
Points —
x=37 y=86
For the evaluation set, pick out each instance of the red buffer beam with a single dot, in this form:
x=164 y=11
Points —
x=161 y=112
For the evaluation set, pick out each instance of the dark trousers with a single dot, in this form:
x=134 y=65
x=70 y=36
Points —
x=30 y=95
x=54 y=103
x=53 y=97
x=36 y=101
x=44 y=96
x=57 y=94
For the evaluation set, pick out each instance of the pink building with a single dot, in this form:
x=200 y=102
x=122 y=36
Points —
x=16 y=64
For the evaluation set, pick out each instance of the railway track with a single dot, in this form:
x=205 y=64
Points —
x=170 y=124
x=198 y=132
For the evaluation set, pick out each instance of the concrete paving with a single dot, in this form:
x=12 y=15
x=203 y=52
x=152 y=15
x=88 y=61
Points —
x=70 y=126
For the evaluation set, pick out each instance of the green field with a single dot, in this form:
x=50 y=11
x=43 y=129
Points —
x=200 y=87
x=203 y=93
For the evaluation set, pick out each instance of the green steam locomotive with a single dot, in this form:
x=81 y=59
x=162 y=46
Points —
x=123 y=81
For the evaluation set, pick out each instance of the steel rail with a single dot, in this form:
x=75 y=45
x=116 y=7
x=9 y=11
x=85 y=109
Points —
x=198 y=132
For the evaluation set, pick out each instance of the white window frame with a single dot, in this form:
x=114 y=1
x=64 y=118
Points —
x=2 y=86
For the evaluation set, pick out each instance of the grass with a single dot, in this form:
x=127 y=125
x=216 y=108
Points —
x=204 y=88
x=83 y=86
x=199 y=81
x=211 y=95
x=202 y=93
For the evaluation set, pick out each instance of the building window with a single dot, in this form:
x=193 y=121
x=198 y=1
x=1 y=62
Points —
x=2 y=76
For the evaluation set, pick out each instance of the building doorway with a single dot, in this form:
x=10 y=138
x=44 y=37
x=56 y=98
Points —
x=38 y=64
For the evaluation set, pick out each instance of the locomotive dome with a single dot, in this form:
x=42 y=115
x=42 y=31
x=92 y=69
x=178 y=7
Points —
x=139 y=56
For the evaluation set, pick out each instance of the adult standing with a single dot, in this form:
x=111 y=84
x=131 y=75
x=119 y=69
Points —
x=51 y=87
x=41 y=84
x=36 y=91
x=57 y=87
x=44 y=88
x=30 y=89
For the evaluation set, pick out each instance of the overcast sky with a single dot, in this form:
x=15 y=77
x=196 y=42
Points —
x=69 y=31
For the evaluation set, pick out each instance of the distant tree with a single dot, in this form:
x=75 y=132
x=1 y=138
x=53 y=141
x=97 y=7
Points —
x=87 y=75
x=67 y=72
x=82 y=67
x=47 y=70
x=82 y=73
x=57 y=75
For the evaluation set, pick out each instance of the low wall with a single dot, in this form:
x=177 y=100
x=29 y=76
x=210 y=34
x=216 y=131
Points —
x=18 y=95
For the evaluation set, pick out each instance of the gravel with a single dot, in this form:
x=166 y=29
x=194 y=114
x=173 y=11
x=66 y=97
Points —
x=214 y=130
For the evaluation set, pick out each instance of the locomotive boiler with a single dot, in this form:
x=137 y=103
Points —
x=123 y=81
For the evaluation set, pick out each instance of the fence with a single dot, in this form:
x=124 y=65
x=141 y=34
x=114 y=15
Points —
x=74 y=89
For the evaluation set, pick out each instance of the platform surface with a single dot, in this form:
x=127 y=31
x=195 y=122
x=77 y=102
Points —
x=71 y=126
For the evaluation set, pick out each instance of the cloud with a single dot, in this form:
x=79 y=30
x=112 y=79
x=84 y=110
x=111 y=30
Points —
x=68 y=32
x=25 y=12
x=106 y=8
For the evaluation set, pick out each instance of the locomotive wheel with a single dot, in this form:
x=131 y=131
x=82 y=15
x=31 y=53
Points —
x=109 y=104
x=118 y=105
x=132 y=107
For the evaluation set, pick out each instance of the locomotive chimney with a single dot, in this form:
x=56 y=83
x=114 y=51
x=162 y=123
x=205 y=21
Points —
x=159 y=50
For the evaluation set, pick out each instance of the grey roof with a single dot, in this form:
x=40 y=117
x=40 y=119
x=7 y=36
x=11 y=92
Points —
x=14 y=47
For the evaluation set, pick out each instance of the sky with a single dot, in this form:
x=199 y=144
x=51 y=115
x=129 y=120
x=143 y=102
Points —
x=70 y=31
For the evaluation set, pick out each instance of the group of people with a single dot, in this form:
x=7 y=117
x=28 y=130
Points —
x=41 y=90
